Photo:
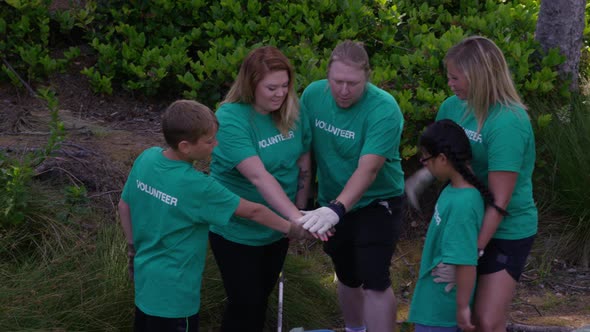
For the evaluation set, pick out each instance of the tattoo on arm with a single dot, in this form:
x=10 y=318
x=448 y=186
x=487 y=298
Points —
x=303 y=175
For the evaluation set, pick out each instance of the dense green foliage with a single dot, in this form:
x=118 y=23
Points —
x=194 y=48
x=26 y=38
x=59 y=275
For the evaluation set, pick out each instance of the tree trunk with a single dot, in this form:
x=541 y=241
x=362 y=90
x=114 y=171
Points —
x=561 y=24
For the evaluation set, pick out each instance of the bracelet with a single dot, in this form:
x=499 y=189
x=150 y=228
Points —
x=337 y=206
x=479 y=252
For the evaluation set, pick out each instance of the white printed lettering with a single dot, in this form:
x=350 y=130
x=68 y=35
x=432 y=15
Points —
x=333 y=130
x=473 y=135
x=275 y=139
x=436 y=215
x=156 y=193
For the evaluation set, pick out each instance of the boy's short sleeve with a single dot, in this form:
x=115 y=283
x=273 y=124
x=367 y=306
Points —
x=218 y=204
x=125 y=193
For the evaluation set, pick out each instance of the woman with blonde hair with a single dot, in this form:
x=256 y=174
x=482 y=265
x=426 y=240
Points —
x=487 y=106
x=263 y=155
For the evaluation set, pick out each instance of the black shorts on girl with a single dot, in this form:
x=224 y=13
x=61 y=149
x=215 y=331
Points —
x=510 y=255
x=364 y=242
x=147 y=323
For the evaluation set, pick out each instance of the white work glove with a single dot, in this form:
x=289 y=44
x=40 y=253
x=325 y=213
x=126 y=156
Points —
x=445 y=273
x=319 y=221
x=416 y=184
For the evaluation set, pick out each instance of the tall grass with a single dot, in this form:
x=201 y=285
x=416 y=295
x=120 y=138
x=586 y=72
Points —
x=69 y=279
x=309 y=296
x=78 y=286
x=563 y=178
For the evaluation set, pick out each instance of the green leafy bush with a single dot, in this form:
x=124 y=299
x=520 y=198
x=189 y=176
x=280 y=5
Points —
x=25 y=36
x=194 y=48
x=15 y=180
x=162 y=47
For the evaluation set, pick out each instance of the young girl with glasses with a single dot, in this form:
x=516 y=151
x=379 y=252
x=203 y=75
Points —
x=452 y=235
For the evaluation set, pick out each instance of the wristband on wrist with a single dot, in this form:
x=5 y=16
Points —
x=479 y=252
x=337 y=206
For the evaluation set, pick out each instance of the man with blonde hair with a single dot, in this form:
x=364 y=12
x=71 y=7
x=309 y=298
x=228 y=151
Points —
x=357 y=130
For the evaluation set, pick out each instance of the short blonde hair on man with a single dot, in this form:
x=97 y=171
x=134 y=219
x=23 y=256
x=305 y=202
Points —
x=485 y=68
x=187 y=120
x=257 y=64
x=352 y=54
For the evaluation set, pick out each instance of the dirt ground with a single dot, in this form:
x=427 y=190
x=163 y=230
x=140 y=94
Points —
x=106 y=133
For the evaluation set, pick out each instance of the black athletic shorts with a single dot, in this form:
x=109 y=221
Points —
x=148 y=323
x=502 y=254
x=364 y=242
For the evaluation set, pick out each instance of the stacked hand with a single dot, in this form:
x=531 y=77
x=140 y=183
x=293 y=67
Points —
x=297 y=232
x=131 y=258
x=319 y=221
x=445 y=273
x=416 y=184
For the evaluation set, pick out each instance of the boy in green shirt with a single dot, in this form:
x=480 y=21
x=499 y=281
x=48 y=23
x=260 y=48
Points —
x=166 y=209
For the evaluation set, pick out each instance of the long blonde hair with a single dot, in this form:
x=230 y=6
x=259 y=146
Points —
x=487 y=74
x=257 y=64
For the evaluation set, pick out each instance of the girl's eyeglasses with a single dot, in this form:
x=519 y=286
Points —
x=425 y=159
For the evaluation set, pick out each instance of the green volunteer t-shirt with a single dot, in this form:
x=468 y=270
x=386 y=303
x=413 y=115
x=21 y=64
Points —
x=506 y=142
x=451 y=239
x=244 y=133
x=341 y=136
x=172 y=206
